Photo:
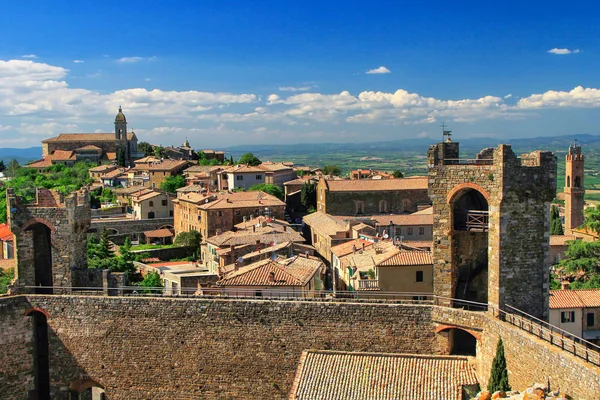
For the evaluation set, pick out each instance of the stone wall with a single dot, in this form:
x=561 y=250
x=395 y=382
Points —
x=398 y=201
x=129 y=226
x=167 y=348
x=190 y=348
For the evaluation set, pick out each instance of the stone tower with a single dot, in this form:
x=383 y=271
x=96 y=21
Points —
x=121 y=142
x=574 y=190
x=50 y=237
x=491 y=226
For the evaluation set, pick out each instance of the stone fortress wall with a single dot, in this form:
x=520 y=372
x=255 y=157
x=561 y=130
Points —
x=161 y=348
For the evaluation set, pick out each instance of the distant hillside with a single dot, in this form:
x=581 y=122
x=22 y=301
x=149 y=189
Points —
x=22 y=156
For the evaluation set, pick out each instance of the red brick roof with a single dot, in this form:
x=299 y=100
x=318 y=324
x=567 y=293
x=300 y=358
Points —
x=158 y=233
x=86 y=137
x=5 y=233
x=369 y=185
x=341 y=250
x=410 y=257
x=296 y=271
x=165 y=165
x=346 y=375
x=585 y=298
x=225 y=200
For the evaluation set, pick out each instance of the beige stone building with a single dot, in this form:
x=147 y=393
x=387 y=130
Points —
x=326 y=232
x=246 y=176
x=372 y=197
x=577 y=312
x=203 y=175
x=156 y=172
x=209 y=213
x=152 y=204
x=407 y=271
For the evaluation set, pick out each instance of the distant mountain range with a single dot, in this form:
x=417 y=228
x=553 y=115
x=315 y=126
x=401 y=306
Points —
x=412 y=146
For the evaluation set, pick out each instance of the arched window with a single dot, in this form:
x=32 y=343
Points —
x=360 y=207
x=405 y=205
x=568 y=181
x=151 y=215
x=41 y=356
x=383 y=206
x=577 y=182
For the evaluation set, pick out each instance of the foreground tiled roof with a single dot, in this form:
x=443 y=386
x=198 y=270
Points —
x=85 y=137
x=585 y=298
x=410 y=257
x=296 y=271
x=336 y=375
x=369 y=185
x=263 y=235
x=5 y=233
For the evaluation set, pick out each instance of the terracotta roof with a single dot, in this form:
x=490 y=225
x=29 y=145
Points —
x=271 y=166
x=297 y=181
x=345 y=248
x=147 y=159
x=340 y=375
x=102 y=168
x=238 y=169
x=364 y=227
x=145 y=196
x=190 y=189
x=274 y=222
x=418 y=243
x=296 y=271
x=370 y=257
x=201 y=169
x=410 y=257
x=114 y=173
x=263 y=235
x=324 y=223
x=369 y=185
x=428 y=210
x=43 y=163
x=62 y=155
x=5 y=233
x=158 y=233
x=165 y=165
x=560 y=240
x=86 y=137
x=585 y=298
x=89 y=147
x=225 y=200
x=110 y=155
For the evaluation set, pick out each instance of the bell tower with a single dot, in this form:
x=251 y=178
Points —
x=574 y=190
x=121 y=143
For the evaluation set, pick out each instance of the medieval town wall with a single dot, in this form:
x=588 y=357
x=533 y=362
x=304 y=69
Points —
x=166 y=348
x=398 y=201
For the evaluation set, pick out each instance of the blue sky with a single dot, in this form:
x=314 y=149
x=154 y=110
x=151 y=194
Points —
x=235 y=72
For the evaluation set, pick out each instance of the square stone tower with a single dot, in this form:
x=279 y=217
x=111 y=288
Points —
x=50 y=237
x=491 y=225
x=574 y=190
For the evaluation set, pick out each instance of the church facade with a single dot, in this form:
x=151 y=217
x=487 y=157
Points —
x=96 y=147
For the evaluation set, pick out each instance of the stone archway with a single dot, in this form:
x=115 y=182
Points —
x=470 y=244
x=41 y=355
x=42 y=256
x=461 y=341
x=86 y=389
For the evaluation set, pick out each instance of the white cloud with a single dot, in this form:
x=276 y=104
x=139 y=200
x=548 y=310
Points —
x=294 y=89
x=578 y=97
x=508 y=96
x=129 y=60
x=558 y=51
x=29 y=56
x=380 y=70
x=78 y=61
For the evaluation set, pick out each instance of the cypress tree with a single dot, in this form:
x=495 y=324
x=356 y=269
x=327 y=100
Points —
x=499 y=375
x=556 y=227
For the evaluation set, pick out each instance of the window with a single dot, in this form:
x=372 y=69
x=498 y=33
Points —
x=567 y=316
x=151 y=215
x=421 y=231
x=238 y=212
x=382 y=206
x=405 y=205
x=151 y=203
x=410 y=231
x=315 y=239
x=220 y=213
x=239 y=177
x=360 y=207
x=153 y=185
x=419 y=277
x=164 y=202
x=170 y=213
x=590 y=319
x=258 y=177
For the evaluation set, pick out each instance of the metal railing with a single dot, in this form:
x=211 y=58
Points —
x=568 y=342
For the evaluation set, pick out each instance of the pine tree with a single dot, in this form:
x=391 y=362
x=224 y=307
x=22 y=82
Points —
x=499 y=375
x=556 y=227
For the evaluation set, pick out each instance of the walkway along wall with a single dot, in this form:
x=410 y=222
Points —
x=167 y=348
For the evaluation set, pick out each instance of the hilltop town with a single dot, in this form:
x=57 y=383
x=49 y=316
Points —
x=119 y=242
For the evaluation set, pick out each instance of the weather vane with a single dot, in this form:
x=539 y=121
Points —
x=446 y=134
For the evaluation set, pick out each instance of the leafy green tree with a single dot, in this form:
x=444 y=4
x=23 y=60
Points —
x=201 y=155
x=151 y=281
x=556 y=227
x=159 y=152
x=172 y=183
x=308 y=195
x=191 y=239
x=582 y=257
x=6 y=277
x=13 y=168
x=249 y=159
x=332 y=170
x=499 y=376
x=146 y=148
x=268 y=188
x=592 y=219
x=2 y=166
x=398 y=174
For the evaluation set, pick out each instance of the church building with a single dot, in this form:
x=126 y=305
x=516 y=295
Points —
x=94 y=147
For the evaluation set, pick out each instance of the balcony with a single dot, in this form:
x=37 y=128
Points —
x=478 y=221
x=368 y=284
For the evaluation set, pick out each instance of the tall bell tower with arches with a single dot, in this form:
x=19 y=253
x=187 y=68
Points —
x=121 y=142
x=574 y=190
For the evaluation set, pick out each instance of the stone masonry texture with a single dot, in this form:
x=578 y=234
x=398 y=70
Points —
x=169 y=348
x=518 y=192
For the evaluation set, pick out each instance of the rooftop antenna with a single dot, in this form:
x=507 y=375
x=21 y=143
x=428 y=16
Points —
x=446 y=134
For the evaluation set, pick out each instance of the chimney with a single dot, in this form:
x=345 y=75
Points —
x=272 y=276
x=564 y=285
x=354 y=249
